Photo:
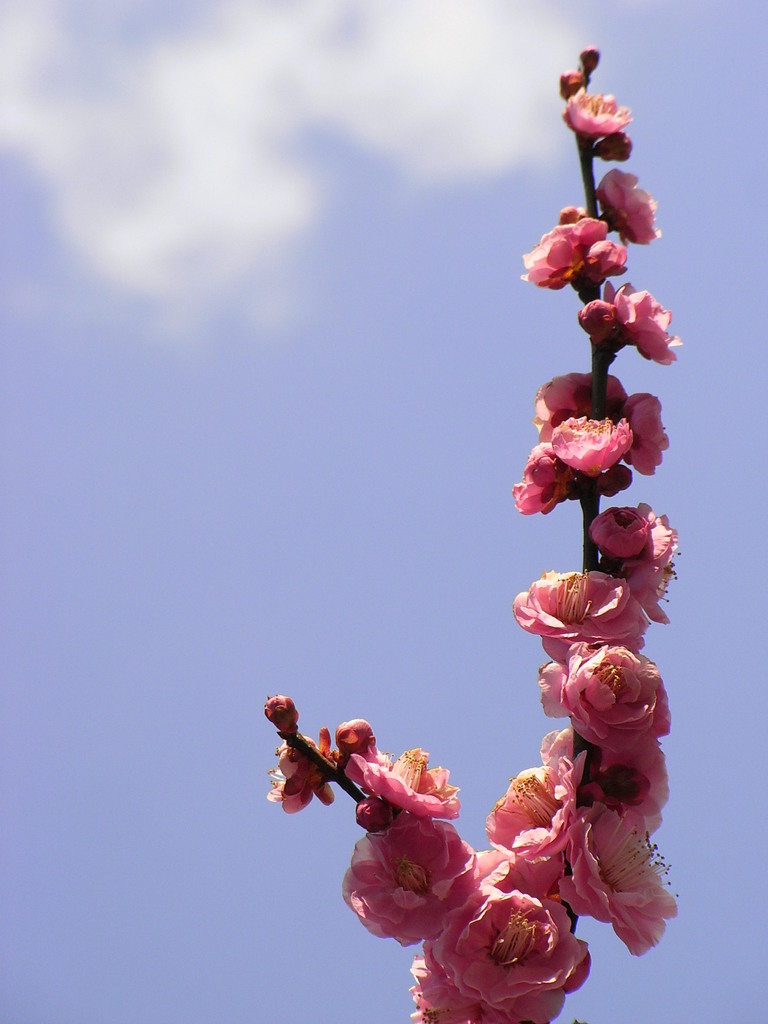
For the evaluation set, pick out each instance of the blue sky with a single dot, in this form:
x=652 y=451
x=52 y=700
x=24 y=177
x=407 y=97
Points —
x=268 y=374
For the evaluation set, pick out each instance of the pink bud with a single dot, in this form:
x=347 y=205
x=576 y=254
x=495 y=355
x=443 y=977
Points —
x=374 y=814
x=620 y=532
x=590 y=58
x=614 y=147
x=604 y=259
x=598 y=319
x=570 y=83
x=571 y=214
x=282 y=713
x=354 y=737
x=617 y=478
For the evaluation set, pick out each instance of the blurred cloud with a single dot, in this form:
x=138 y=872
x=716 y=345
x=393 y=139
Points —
x=176 y=158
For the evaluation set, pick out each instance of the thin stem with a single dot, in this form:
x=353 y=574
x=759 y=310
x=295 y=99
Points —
x=586 y=157
x=331 y=771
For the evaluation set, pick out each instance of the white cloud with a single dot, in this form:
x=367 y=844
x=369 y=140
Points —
x=173 y=160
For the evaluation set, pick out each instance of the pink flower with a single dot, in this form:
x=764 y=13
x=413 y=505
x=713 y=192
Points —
x=632 y=782
x=407 y=783
x=282 y=713
x=437 y=998
x=513 y=953
x=531 y=819
x=595 y=116
x=649 y=440
x=402 y=882
x=354 y=737
x=576 y=253
x=571 y=395
x=567 y=608
x=643 y=323
x=546 y=482
x=629 y=210
x=614 y=697
x=296 y=779
x=648 y=574
x=617 y=877
x=620 y=532
x=591 y=446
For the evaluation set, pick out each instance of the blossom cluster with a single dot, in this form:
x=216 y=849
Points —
x=570 y=836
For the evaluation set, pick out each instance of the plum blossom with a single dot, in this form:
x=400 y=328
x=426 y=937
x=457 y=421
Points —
x=576 y=254
x=570 y=395
x=618 y=877
x=628 y=209
x=632 y=782
x=591 y=446
x=649 y=573
x=437 y=999
x=594 y=116
x=643 y=323
x=620 y=532
x=649 y=439
x=513 y=953
x=296 y=779
x=402 y=882
x=567 y=608
x=614 y=697
x=546 y=482
x=407 y=783
x=532 y=818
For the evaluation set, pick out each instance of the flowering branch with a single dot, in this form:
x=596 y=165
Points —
x=569 y=837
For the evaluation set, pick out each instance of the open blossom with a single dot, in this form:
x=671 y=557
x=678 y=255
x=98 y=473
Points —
x=595 y=116
x=629 y=210
x=649 y=439
x=567 y=608
x=546 y=482
x=570 y=395
x=437 y=999
x=576 y=253
x=513 y=953
x=296 y=779
x=648 y=573
x=407 y=783
x=591 y=446
x=532 y=818
x=614 y=697
x=643 y=323
x=632 y=782
x=618 y=877
x=402 y=882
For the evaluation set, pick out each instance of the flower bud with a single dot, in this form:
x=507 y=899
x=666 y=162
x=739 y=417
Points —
x=589 y=58
x=620 y=532
x=354 y=737
x=614 y=147
x=570 y=83
x=617 y=478
x=282 y=713
x=598 y=319
x=374 y=814
x=571 y=214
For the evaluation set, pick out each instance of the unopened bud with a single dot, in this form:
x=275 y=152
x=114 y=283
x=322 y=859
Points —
x=589 y=58
x=374 y=814
x=617 y=478
x=572 y=214
x=598 y=319
x=282 y=713
x=570 y=83
x=614 y=147
x=354 y=737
